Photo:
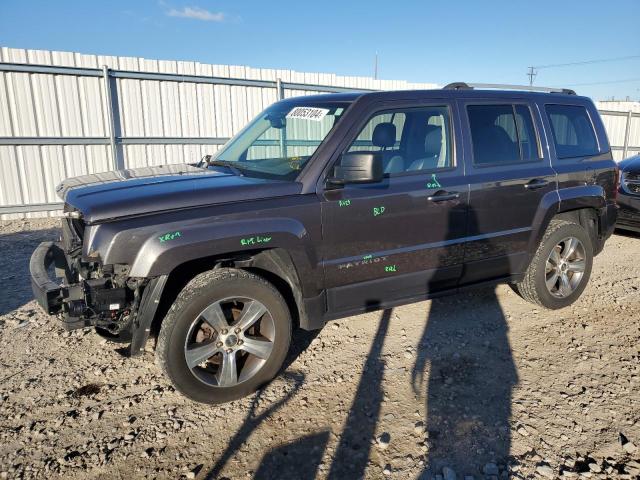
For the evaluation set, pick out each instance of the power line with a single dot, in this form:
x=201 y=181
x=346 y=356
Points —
x=586 y=62
x=603 y=83
x=533 y=71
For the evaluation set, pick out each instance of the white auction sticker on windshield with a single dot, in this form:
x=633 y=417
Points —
x=308 y=113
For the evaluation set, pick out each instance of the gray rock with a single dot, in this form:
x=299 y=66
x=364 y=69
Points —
x=545 y=470
x=383 y=441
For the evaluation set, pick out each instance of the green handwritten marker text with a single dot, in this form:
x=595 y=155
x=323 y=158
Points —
x=254 y=240
x=434 y=182
x=169 y=236
x=390 y=268
x=344 y=203
x=378 y=211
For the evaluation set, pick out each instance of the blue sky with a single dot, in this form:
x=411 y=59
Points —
x=424 y=41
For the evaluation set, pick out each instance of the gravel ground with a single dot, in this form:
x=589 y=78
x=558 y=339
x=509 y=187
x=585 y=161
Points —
x=478 y=385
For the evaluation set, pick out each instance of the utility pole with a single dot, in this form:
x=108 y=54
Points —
x=375 y=67
x=532 y=74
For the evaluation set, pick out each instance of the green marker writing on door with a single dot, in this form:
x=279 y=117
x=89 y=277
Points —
x=434 y=182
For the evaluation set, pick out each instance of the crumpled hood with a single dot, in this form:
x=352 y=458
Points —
x=122 y=193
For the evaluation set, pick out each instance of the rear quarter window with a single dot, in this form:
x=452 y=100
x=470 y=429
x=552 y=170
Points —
x=572 y=130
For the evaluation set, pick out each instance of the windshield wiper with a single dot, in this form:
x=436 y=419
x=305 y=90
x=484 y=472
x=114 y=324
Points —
x=224 y=163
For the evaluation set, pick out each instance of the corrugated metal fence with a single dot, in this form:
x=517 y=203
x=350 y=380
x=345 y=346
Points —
x=65 y=114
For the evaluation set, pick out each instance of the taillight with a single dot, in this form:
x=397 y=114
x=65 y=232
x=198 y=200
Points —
x=618 y=182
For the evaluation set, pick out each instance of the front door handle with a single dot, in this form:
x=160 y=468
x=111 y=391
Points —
x=443 y=196
x=536 y=183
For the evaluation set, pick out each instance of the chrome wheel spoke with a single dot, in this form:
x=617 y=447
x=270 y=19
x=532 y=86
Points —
x=228 y=373
x=198 y=353
x=565 y=285
x=554 y=257
x=259 y=347
x=552 y=280
x=570 y=246
x=251 y=313
x=576 y=266
x=214 y=316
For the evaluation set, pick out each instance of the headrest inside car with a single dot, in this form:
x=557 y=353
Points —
x=384 y=135
x=433 y=141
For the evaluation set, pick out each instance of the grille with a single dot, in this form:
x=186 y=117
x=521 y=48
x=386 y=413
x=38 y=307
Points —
x=632 y=182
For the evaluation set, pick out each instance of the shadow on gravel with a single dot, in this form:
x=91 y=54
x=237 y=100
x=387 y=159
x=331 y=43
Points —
x=471 y=377
x=253 y=420
x=471 y=368
x=297 y=454
x=15 y=251
x=352 y=453
x=299 y=459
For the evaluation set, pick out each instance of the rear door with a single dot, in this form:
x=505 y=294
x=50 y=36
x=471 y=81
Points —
x=509 y=173
x=400 y=238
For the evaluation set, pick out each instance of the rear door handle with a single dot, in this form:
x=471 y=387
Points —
x=443 y=196
x=536 y=183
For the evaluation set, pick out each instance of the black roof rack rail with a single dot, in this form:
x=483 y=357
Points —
x=471 y=86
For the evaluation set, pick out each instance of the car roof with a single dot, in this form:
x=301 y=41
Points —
x=378 y=96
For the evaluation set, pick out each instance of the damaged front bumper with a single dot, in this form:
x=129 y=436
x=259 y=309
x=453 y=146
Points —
x=93 y=302
x=48 y=293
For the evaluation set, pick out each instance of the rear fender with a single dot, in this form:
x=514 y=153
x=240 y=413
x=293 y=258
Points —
x=564 y=200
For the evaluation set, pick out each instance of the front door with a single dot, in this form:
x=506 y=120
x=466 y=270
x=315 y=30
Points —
x=400 y=238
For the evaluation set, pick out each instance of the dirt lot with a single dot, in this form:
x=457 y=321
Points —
x=480 y=384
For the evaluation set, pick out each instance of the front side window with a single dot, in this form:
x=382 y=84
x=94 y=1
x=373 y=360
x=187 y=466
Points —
x=502 y=134
x=280 y=141
x=409 y=140
x=572 y=131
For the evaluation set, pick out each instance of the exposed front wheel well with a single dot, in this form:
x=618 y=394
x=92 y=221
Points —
x=261 y=263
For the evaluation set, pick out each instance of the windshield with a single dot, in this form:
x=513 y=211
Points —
x=280 y=141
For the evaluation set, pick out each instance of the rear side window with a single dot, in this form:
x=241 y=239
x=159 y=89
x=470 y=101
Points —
x=572 y=131
x=502 y=134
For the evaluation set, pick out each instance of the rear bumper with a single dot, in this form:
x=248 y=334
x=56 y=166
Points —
x=48 y=293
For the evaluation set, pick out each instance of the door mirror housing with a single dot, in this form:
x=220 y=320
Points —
x=358 y=167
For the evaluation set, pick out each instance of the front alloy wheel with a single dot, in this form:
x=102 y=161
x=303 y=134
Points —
x=229 y=341
x=226 y=334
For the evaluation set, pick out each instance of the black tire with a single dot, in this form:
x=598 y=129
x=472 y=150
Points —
x=533 y=286
x=203 y=290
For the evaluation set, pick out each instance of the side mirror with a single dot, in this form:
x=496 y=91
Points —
x=358 y=167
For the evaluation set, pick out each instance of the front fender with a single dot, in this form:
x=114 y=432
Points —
x=164 y=251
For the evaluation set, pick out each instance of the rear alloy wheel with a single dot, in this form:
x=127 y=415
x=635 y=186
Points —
x=227 y=333
x=561 y=267
x=565 y=267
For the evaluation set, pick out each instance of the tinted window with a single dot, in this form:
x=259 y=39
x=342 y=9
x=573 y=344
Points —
x=409 y=139
x=502 y=134
x=572 y=131
x=526 y=133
